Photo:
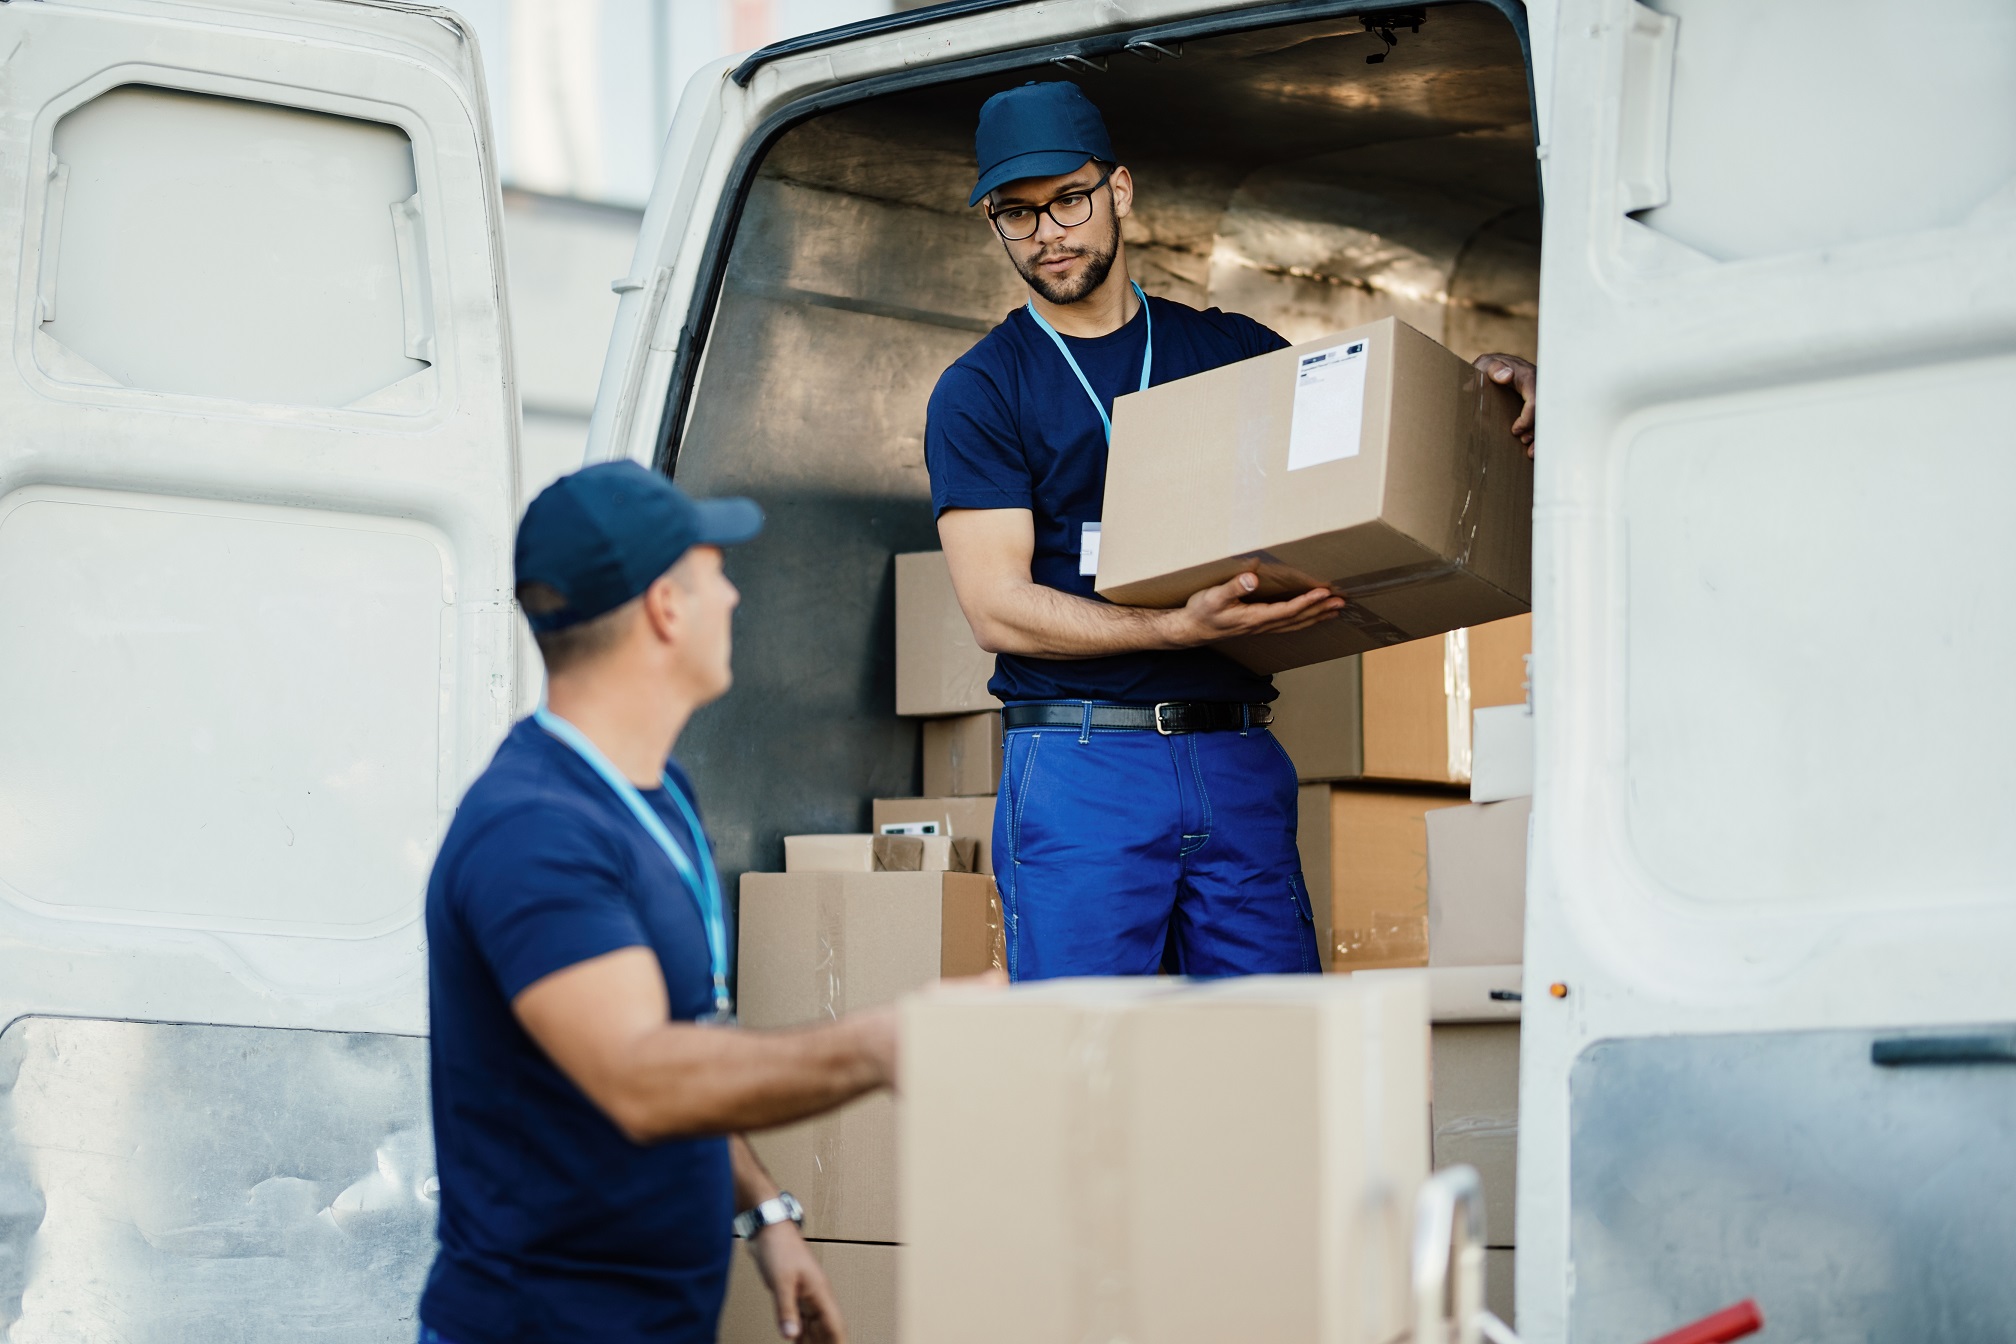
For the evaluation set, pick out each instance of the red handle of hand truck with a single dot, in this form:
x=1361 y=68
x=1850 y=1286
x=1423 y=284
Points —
x=1725 y=1325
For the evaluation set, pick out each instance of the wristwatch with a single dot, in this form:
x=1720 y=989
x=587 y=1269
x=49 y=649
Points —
x=769 y=1213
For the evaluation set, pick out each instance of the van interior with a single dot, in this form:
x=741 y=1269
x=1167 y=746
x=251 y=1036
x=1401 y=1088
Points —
x=1309 y=174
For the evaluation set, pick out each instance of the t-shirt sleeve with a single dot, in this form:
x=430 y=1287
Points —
x=539 y=898
x=971 y=446
x=1252 y=338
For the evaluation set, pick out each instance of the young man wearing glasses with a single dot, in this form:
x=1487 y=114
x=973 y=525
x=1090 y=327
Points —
x=1144 y=806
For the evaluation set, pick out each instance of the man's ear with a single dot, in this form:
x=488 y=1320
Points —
x=1122 y=183
x=664 y=609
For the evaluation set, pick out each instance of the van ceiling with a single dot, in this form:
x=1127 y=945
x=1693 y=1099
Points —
x=1277 y=173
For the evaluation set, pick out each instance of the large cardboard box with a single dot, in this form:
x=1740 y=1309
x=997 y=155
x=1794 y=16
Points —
x=1374 y=462
x=1379 y=876
x=963 y=755
x=1402 y=713
x=1155 y=1160
x=1476 y=1114
x=863 y=1279
x=940 y=669
x=816 y=946
x=956 y=816
x=1477 y=883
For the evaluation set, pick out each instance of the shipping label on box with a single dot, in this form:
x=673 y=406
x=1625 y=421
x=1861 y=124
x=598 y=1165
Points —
x=1420 y=513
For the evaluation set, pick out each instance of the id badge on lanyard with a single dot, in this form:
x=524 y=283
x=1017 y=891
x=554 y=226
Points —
x=1088 y=533
x=702 y=879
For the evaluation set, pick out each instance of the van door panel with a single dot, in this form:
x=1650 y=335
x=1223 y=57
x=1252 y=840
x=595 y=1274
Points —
x=257 y=489
x=1772 y=607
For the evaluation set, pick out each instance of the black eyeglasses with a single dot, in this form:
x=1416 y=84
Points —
x=1016 y=222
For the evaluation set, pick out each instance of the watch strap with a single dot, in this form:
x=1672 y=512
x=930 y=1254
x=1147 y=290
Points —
x=783 y=1208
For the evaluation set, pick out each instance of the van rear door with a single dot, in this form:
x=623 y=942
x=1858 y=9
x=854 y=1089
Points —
x=1774 y=617
x=256 y=499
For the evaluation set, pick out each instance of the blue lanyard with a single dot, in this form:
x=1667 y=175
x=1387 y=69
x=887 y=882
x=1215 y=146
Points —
x=1147 y=356
x=704 y=882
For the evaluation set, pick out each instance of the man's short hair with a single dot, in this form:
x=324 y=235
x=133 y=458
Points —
x=574 y=644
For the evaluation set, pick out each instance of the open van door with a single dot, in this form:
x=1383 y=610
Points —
x=808 y=265
x=1773 y=868
x=257 y=491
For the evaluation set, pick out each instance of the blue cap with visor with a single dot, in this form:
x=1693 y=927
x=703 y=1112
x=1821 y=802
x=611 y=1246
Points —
x=601 y=535
x=1037 y=130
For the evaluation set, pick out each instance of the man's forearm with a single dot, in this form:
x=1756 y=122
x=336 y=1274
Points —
x=753 y=1182
x=1042 y=622
x=687 y=1080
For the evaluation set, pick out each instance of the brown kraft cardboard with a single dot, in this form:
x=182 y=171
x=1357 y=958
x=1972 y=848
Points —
x=1403 y=713
x=1155 y=1160
x=963 y=817
x=940 y=669
x=962 y=755
x=816 y=946
x=1374 y=462
x=1379 y=876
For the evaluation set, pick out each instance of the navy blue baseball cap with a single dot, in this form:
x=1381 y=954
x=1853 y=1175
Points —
x=1037 y=130
x=601 y=535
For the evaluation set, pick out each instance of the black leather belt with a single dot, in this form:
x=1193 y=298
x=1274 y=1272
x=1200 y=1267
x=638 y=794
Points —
x=1168 y=718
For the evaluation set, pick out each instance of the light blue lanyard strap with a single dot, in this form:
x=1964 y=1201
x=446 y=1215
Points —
x=704 y=881
x=1147 y=355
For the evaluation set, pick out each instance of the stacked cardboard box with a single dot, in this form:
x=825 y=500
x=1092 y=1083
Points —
x=941 y=677
x=1156 y=1160
x=1382 y=742
x=1402 y=714
x=819 y=942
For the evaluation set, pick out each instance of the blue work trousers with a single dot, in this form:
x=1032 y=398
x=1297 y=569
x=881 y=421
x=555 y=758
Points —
x=1112 y=845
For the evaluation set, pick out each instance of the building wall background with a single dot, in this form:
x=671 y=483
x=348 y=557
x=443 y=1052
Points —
x=581 y=95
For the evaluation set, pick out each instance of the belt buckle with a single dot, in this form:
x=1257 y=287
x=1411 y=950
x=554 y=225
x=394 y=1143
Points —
x=1165 y=704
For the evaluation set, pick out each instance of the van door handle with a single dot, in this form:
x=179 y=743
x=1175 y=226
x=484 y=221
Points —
x=1980 y=1047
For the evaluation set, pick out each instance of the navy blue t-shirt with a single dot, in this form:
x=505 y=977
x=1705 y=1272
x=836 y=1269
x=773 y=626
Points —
x=1011 y=428
x=554 y=1226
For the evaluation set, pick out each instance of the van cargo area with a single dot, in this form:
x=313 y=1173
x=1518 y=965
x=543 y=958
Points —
x=1279 y=173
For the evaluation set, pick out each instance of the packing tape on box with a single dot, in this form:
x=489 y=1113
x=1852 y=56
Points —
x=830 y=971
x=1388 y=936
x=1486 y=407
x=1456 y=699
x=1099 y=1199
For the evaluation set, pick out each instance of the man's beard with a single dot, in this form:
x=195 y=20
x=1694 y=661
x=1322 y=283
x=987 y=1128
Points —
x=1098 y=264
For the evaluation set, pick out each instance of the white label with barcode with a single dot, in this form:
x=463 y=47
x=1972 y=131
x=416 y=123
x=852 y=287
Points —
x=1329 y=405
x=1088 y=550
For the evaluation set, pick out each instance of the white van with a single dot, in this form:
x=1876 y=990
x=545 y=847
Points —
x=258 y=485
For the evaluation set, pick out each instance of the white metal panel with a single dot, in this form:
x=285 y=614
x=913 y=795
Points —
x=255 y=589
x=216 y=645
x=234 y=248
x=1771 y=599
